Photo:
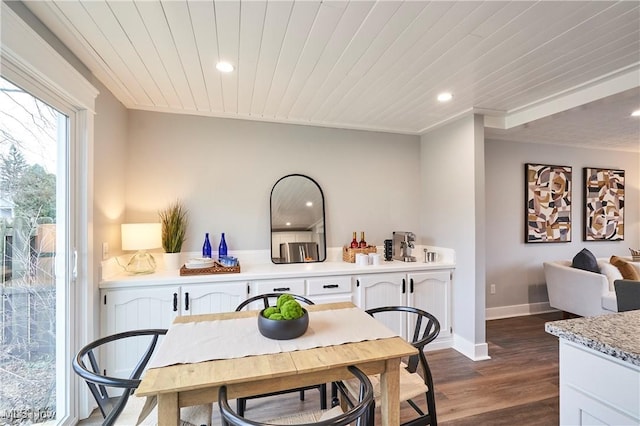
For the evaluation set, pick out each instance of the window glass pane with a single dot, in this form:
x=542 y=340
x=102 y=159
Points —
x=32 y=136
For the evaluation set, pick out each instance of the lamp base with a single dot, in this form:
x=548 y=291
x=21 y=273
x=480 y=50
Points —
x=141 y=263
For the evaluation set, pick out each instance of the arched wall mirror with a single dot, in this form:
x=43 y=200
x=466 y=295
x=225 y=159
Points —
x=297 y=221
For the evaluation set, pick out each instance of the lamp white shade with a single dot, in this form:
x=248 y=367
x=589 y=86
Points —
x=141 y=236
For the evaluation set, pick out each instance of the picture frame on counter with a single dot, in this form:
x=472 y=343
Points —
x=547 y=203
x=603 y=204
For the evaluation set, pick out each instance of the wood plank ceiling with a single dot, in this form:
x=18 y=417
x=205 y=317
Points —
x=374 y=65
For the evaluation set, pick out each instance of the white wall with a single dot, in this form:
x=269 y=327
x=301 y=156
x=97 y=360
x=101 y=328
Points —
x=515 y=267
x=224 y=170
x=452 y=176
x=110 y=148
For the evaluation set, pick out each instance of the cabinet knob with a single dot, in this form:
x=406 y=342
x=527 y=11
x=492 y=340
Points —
x=404 y=286
x=175 y=302
x=281 y=289
x=330 y=286
x=186 y=301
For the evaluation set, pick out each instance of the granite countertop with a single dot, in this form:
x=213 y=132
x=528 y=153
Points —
x=617 y=335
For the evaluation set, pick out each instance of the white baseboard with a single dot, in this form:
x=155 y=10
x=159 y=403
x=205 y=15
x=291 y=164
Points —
x=440 y=343
x=475 y=352
x=517 y=310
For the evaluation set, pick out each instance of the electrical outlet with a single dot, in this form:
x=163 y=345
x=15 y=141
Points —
x=493 y=289
x=105 y=250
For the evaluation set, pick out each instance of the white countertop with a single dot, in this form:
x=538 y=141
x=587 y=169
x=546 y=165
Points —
x=262 y=270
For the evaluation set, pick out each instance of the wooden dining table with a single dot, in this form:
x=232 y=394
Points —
x=183 y=385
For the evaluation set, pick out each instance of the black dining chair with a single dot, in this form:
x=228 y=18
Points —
x=115 y=408
x=85 y=364
x=415 y=376
x=264 y=301
x=361 y=412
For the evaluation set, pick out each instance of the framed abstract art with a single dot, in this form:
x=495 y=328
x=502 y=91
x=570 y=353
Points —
x=603 y=204
x=548 y=203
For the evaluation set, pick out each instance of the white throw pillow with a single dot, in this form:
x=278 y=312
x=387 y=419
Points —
x=611 y=272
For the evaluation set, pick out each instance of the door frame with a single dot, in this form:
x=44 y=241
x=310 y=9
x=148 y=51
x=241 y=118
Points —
x=30 y=62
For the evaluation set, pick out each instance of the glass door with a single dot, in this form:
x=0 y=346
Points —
x=35 y=245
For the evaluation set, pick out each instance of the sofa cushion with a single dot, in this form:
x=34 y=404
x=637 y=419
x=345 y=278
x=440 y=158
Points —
x=585 y=260
x=626 y=269
x=611 y=272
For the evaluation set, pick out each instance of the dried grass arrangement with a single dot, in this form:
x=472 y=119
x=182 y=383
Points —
x=174 y=222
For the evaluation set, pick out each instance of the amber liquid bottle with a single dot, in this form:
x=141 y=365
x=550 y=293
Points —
x=354 y=242
x=363 y=243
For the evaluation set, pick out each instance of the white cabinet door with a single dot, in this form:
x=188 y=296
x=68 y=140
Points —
x=430 y=291
x=376 y=290
x=212 y=298
x=132 y=309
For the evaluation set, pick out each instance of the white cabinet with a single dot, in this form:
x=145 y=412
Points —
x=210 y=298
x=376 y=290
x=136 y=308
x=131 y=309
x=295 y=286
x=429 y=291
x=130 y=306
x=126 y=309
x=318 y=289
x=596 y=388
x=329 y=289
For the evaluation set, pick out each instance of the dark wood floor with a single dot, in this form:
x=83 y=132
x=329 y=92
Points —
x=517 y=386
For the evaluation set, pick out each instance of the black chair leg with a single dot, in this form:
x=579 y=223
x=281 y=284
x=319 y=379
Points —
x=301 y=395
x=323 y=397
x=241 y=406
x=334 y=395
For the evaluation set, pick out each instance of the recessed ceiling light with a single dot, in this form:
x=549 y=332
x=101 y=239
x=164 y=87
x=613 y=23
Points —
x=288 y=223
x=636 y=113
x=224 y=66
x=445 y=96
x=309 y=204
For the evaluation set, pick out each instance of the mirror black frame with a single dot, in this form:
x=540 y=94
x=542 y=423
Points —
x=322 y=243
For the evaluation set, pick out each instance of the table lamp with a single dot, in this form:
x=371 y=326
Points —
x=141 y=237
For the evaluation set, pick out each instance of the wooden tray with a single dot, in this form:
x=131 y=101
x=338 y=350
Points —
x=349 y=254
x=215 y=269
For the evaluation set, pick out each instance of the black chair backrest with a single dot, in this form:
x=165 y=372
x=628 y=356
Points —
x=627 y=294
x=426 y=329
x=269 y=299
x=362 y=412
x=85 y=364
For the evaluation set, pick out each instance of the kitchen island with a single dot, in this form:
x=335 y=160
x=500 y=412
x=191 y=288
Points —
x=599 y=369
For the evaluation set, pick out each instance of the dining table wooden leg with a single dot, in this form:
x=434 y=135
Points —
x=390 y=393
x=168 y=410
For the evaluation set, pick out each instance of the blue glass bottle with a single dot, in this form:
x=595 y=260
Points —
x=206 y=247
x=222 y=248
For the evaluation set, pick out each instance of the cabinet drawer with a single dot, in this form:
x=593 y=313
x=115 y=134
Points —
x=328 y=285
x=278 y=286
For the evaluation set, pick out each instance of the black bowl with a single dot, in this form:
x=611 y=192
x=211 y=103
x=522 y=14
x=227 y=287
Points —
x=283 y=329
